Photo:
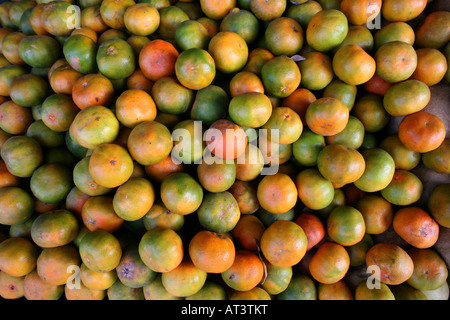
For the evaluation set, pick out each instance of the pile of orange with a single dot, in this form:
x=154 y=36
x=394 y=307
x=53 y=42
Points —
x=235 y=149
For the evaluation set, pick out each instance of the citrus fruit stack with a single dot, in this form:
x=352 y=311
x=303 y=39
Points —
x=203 y=149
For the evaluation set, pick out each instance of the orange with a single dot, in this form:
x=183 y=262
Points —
x=134 y=106
x=281 y=76
x=284 y=243
x=113 y=11
x=75 y=200
x=438 y=204
x=11 y=287
x=341 y=164
x=15 y=119
x=327 y=116
x=315 y=191
x=431 y=66
x=432 y=32
x=245 y=82
x=334 y=291
x=216 y=177
x=346 y=226
x=34 y=288
x=141 y=19
x=170 y=17
x=313 y=228
x=416 y=227
x=185 y=280
x=330 y=263
x=110 y=165
x=248 y=231
x=299 y=101
x=404 y=189
x=18 y=256
x=395 y=61
x=422 y=131
x=283 y=127
x=217 y=9
x=229 y=51
x=161 y=170
x=63 y=78
x=256 y=60
x=326 y=30
x=160 y=216
x=245 y=194
x=316 y=70
x=92 y=90
x=161 y=249
x=396 y=266
x=377 y=213
x=195 y=68
x=150 y=142
x=430 y=271
x=83 y=179
x=10 y=47
x=370 y=111
x=134 y=199
x=138 y=81
x=243 y=22
x=100 y=251
x=181 y=193
x=35 y=19
x=97 y=280
x=277 y=193
x=277 y=279
x=91 y=18
x=83 y=293
x=157 y=59
x=245 y=273
x=53 y=263
x=219 y=212
x=98 y=214
x=250 y=109
x=284 y=36
x=404 y=158
x=378 y=172
x=88 y=32
x=7 y=179
x=406 y=97
x=402 y=10
x=256 y=293
x=211 y=252
x=353 y=65
x=267 y=10
x=377 y=85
